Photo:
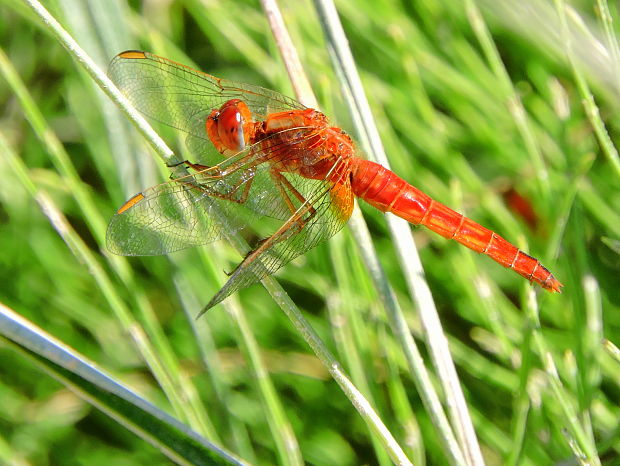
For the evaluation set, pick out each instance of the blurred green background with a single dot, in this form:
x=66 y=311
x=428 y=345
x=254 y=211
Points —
x=449 y=117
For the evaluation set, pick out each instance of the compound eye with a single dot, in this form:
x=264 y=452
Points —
x=232 y=122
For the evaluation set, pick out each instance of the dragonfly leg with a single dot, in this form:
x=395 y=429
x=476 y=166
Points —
x=202 y=169
x=293 y=225
x=193 y=166
x=199 y=167
x=283 y=185
x=296 y=222
x=228 y=196
x=219 y=172
x=288 y=229
x=246 y=191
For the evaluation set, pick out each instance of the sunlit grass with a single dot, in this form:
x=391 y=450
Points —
x=467 y=107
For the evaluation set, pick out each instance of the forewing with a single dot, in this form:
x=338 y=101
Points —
x=183 y=98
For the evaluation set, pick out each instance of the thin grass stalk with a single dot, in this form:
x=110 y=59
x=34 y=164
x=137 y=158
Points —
x=176 y=385
x=85 y=256
x=593 y=335
x=213 y=366
x=102 y=80
x=421 y=377
x=161 y=148
x=299 y=80
x=301 y=84
x=401 y=233
x=283 y=435
x=521 y=404
x=333 y=366
x=168 y=378
x=287 y=446
x=589 y=105
x=359 y=401
x=612 y=41
x=281 y=429
x=572 y=418
x=305 y=95
x=26 y=335
x=157 y=353
x=513 y=102
x=347 y=324
x=399 y=398
x=612 y=350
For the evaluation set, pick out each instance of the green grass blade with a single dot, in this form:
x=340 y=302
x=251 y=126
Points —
x=438 y=78
x=405 y=247
x=155 y=352
x=175 y=440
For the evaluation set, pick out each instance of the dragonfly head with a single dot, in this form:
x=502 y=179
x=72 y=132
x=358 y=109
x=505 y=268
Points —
x=229 y=128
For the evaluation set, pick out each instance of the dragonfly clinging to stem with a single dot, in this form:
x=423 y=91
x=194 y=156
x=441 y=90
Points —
x=267 y=155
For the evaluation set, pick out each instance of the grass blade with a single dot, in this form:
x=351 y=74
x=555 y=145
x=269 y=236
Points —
x=174 y=439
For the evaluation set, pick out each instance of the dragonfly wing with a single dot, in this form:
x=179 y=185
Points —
x=192 y=211
x=249 y=174
x=327 y=208
x=206 y=205
x=169 y=217
x=183 y=98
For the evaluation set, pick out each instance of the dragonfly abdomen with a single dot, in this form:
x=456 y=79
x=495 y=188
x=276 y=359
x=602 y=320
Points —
x=388 y=192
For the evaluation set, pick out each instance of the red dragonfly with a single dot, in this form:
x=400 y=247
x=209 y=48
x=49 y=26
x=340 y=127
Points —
x=263 y=154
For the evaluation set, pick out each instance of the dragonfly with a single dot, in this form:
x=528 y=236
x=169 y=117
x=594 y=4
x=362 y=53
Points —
x=265 y=155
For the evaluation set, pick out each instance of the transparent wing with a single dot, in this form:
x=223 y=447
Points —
x=327 y=207
x=204 y=206
x=183 y=98
x=169 y=217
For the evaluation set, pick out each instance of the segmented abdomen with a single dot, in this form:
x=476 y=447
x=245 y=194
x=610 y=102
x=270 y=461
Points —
x=387 y=192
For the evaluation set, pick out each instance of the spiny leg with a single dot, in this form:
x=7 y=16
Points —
x=281 y=183
x=226 y=196
x=292 y=226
